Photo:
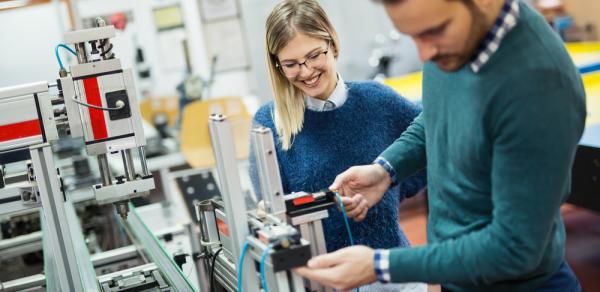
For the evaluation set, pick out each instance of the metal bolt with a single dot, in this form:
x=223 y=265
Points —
x=122 y=209
x=26 y=196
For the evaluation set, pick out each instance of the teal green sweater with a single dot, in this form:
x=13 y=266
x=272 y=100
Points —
x=498 y=146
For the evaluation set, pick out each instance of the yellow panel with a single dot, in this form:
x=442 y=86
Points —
x=168 y=17
x=168 y=105
x=592 y=90
x=584 y=53
x=408 y=86
x=195 y=136
x=584 y=47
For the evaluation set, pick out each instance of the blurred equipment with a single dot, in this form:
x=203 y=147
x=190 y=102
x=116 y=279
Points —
x=392 y=55
x=119 y=20
x=94 y=101
x=195 y=137
x=194 y=87
x=567 y=19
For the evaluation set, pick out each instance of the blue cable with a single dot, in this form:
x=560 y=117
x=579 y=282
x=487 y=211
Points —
x=346 y=221
x=58 y=56
x=241 y=265
x=263 y=279
x=345 y=218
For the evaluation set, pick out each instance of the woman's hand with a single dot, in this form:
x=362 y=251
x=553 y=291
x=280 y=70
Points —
x=356 y=207
x=369 y=181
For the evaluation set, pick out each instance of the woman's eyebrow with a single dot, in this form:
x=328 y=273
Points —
x=307 y=54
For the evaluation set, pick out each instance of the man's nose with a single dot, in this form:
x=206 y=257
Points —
x=426 y=50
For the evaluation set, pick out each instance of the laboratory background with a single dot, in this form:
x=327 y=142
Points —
x=131 y=158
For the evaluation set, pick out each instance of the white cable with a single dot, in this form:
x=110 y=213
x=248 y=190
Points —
x=120 y=105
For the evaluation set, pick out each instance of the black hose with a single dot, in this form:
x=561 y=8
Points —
x=212 y=271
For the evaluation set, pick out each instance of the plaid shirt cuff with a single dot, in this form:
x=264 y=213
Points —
x=382 y=265
x=388 y=167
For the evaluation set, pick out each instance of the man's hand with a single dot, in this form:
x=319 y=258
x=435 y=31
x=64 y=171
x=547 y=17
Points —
x=356 y=207
x=371 y=181
x=344 y=269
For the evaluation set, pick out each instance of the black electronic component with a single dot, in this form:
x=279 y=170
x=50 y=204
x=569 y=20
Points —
x=180 y=258
x=309 y=204
x=168 y=237
x=291 y=257
x=1 y=176
x=81 y=166
x=111 y=101
x=15 y=156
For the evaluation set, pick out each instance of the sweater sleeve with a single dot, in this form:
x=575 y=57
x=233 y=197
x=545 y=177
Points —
x=411 y=186
x=407 y=153
x=404 y=114
x=534 y=128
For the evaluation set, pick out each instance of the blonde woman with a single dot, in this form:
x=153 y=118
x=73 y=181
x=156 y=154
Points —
x=323 y=124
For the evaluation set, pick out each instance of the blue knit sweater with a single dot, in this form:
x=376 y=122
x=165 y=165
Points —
x=330 y=142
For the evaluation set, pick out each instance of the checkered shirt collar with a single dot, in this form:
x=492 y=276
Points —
x=507 y=20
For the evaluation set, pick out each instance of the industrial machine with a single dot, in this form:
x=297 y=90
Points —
x=235 y=239
x=94 y=101
x=101 y=106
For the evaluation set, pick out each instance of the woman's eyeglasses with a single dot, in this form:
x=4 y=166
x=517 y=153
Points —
x=315 y=60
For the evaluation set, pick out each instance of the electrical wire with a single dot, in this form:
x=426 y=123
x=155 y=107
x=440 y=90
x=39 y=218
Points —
x=120 y=105
x=343 y=210
x=241 y=265
x=211 y=276
x=191 y=266
x=58 y=55
x=263 y=258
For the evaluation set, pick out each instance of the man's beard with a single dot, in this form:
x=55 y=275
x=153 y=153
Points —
x=454 y=61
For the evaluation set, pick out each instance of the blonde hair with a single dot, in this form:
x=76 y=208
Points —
x=287 y=19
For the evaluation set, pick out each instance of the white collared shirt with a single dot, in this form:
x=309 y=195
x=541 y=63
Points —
x=336 y=99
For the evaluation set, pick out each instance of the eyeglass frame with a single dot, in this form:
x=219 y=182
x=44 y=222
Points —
x=278 y=63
